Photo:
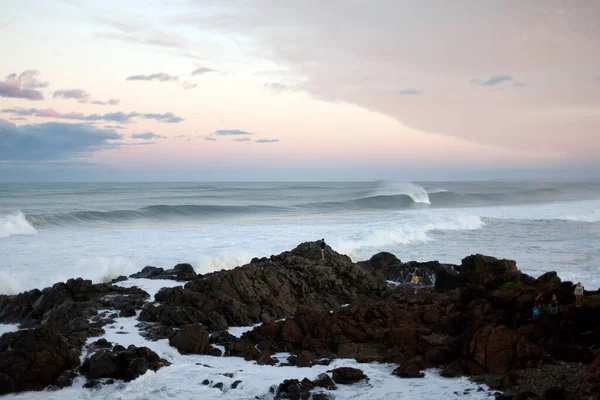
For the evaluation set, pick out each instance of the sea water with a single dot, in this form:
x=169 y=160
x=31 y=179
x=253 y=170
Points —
x=53 y=232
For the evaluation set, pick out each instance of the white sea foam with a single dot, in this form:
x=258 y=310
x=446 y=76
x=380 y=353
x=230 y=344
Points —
x=151 y=286
x=238 y=331
x=15 y=224
x=183 y=379
x=5 y=328
x=415 y=192
x=408 y=233
x=204 y=263
x=10 y=283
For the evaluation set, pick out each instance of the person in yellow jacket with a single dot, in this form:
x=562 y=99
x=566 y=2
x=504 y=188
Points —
x=415 y=282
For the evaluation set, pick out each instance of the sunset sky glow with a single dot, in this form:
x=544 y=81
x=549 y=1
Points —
x=271 y=89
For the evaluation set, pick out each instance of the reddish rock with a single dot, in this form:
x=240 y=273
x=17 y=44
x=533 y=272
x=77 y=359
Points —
x=193 y=339
x=497 y=350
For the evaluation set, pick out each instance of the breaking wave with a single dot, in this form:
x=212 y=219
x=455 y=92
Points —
x=15 y=224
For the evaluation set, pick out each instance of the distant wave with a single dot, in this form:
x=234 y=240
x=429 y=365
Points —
x=417 y=193
x=155 y=212
x=15 y=224
x=384 y=196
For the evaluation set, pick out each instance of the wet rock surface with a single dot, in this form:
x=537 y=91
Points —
x=475 y=321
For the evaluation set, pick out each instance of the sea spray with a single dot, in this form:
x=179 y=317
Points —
x=15 y=224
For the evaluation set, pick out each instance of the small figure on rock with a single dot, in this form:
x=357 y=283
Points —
x=536 y=311
x=323 y=249
x=578 y=294
x=539 y=301
x=415 y=282
x=554 y=305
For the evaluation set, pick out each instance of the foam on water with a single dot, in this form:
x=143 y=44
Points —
x=5 y=328
x=408 y=232
x=15 y=224
x=151 y=286
x=183 y=379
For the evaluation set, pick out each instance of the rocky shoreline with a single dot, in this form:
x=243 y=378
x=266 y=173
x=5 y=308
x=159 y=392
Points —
x=472 y=319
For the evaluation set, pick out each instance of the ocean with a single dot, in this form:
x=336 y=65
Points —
x=51 y=232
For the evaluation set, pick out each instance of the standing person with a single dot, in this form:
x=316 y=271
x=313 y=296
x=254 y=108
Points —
x=554 y=305
x=323 y=249
x=539 y=301
x=578 y=294
x=415 y=282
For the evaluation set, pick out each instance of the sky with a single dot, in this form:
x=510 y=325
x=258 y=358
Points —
x=289 y=90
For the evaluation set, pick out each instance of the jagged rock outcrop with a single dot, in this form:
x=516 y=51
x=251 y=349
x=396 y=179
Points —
x=386 y=266
x=34 y=359
x=118 y=363
x=193 y=339
x=180 y=272
x=260 y=292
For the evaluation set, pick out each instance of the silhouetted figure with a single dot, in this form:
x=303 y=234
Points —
x=554 y=305
x=323 y=249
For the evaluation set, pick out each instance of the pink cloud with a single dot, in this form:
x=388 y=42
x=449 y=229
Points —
x=110 y=102
x=22 y=86
x=77 y=94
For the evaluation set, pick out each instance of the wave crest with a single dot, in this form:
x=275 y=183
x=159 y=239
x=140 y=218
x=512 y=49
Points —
x=15 y=224
x=417 y=193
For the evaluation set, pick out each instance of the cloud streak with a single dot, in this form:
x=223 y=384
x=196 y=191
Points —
x=160 y=76
x=22 y=86
x=147 y=136
x=231 y=132
x=410 y=92
x=202 y=70
x=493 y=80
x=109 y=102
x=77 y=94
x=52 y=141
x=266 y=141
x=189 y=85
x=118 y=117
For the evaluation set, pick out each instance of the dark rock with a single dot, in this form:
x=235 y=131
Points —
x=126 y=365
x=294 y=390
x=218 y=385
x=119 y=279
x=235 y=384
x=118 y=348
x=156 y=332
x=222 y=338
x=91 y=384
x=193 y=339
x=386 y=266
x=409 y=370
x=34 y=359
x=489 y=271
x=127 y=312
x=321 y=396
x=555 y=394
x=497 y=349
x=148 y=273
x=447 y=279
x=324 y=381
x=347 y=375
x=206 y=382
x=264 y=358
x=66 y=379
